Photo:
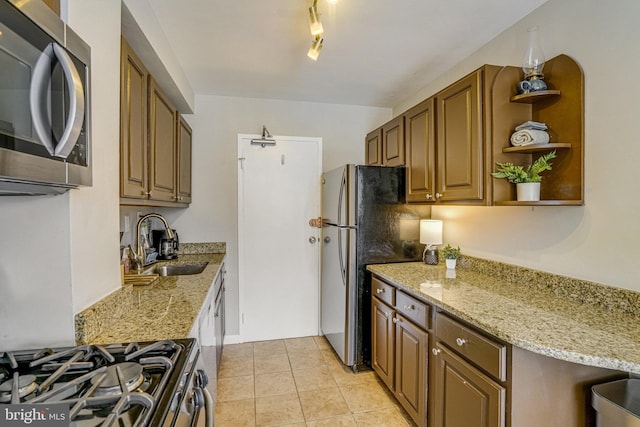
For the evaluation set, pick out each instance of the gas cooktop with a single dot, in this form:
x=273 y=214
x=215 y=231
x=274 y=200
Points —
x=113 y=385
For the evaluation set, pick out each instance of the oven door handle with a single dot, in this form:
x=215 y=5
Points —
x=201 y=399
x=208 y=407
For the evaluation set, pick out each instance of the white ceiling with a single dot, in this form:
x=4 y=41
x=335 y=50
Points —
x=376 y=52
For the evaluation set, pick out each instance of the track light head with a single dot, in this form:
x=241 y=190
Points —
x=315 y=26
x=316 y=47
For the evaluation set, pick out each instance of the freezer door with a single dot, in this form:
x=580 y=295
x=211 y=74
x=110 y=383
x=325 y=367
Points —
x=338 y=299
x=338 y=196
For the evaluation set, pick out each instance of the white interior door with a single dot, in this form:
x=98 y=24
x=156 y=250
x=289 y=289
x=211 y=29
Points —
x=278 y=192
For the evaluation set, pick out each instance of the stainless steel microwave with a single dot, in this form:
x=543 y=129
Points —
x=45 y=135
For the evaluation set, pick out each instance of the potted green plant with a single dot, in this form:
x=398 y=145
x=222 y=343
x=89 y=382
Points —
x=527 y=179
x=451 y=255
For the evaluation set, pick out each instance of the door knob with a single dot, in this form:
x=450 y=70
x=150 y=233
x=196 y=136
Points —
x=312 y=239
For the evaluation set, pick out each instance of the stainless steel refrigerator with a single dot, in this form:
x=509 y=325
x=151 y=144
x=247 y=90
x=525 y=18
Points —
x=365 y=221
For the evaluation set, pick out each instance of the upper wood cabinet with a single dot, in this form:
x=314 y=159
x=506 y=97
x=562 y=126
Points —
x=420 y=126
x=184 y=160
x=460 y=139
x=155 y=141
x=162 y=145
x=385 y=146
x=133 y=125
x=373 y=148
x=393 y=142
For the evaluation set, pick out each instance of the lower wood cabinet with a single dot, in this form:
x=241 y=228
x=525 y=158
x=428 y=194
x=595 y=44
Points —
x=447 y=373
x=462 y=395
x=383 y=342
x=399 y=357
x=411 y=368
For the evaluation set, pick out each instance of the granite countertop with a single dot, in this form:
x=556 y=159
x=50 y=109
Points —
x=166 y=309
x=529 y=315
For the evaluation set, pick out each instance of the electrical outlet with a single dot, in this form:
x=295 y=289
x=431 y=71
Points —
x=127 y=224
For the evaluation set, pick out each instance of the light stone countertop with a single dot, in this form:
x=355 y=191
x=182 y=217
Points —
x=526 y=314
x=166 y=309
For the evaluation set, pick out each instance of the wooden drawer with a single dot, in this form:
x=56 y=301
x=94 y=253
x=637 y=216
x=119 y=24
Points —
x=484 y=352
x=383 y=291
x=417 y=311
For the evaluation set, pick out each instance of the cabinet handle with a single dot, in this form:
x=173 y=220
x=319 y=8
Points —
x=410 y=307
x=439 y=195
x=429 y=196
x=461 y=341
x=435 y=351
x=146 y=193
x=379 y=291
x=396 y=320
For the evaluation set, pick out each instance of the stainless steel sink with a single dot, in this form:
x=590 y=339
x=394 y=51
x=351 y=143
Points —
x=177 y=269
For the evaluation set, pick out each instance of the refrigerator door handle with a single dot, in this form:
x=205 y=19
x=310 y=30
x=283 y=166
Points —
x=343 y=270
x=341 y=195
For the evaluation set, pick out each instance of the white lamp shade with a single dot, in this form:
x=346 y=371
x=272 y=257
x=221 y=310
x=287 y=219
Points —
x=431 y=231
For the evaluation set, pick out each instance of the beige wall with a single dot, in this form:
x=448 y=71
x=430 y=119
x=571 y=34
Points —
x=599 y=241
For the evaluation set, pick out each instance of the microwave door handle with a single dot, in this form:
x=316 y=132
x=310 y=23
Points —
x=75 y=118
x=39 y=98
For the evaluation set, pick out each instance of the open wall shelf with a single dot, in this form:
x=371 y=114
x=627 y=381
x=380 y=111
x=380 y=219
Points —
x=562 y=109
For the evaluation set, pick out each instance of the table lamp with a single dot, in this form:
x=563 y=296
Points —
x=430 y=235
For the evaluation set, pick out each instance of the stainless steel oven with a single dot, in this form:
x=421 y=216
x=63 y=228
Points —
x=44 y=102
x=133 y=384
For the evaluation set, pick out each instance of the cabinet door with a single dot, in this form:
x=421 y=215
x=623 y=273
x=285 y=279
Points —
x=411 y=368
x=162 y=145
x=382 y=341
x=373 y=148
x=420 y=146
x=133 y=125
x=393 y=142
x=463 y=396
x=460 y=140
x=184 y=161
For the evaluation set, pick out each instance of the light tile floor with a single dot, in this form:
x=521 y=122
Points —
x=299 y=382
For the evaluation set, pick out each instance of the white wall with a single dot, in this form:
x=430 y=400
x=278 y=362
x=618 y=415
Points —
x=94 y=211
x=218 y=120
x=599 y=241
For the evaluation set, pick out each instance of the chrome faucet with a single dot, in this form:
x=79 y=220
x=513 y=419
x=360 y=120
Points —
x=140 y=256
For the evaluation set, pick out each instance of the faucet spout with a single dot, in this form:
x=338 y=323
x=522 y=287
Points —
x=141 y=256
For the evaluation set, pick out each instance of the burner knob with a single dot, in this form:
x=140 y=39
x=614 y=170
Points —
x=197 y=398
x=201 y=378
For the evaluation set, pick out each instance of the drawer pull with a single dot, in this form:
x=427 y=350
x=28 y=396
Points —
x=410 y=307
x=436 y=351
x=461 y=341
x=379 y=291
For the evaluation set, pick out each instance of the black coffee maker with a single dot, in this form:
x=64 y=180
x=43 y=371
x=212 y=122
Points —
x=167 y=248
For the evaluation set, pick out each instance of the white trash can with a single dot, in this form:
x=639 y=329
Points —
x=617 y=403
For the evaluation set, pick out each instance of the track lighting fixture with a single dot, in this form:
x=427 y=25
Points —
x=315 y=26
x=316 y=47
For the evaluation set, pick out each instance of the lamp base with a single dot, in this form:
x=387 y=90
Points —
x=430 y=256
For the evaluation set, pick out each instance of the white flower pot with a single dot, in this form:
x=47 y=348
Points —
x=451 y=263
x=528 y=191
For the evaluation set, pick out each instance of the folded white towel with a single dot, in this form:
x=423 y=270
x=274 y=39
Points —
x=528 y=137
x=532 y=125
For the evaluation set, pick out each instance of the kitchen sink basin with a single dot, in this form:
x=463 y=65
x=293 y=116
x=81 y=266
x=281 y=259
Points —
x=177 y=269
